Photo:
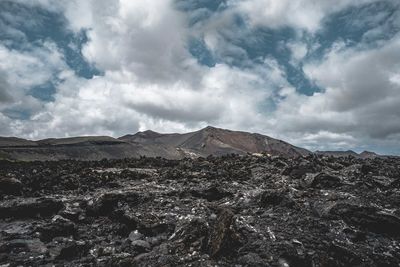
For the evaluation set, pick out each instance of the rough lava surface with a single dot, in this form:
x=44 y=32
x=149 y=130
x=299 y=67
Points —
x=215 y=211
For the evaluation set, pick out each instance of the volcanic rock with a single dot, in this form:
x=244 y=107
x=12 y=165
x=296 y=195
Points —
x=30 y=208
x=276 y=198
x=59 y=226
x=369 y=218
x=223 y=239
x=326 y=181
x=233 y=210
x=10 y=186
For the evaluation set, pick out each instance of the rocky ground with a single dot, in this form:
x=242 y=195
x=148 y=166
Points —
x=227 y=211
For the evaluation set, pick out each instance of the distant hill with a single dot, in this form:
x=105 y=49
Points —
x=80 y=148
x=202 y=143
x=15 y=142
x=336 y=154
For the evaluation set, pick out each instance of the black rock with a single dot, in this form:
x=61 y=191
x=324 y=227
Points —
x=223 y=239
x=135 y=235
x=106 y=203
x=252 y=259
x=141 y=246
x=342 y=256
x=71 y=250
x=226 y=211
x=10 y=186
x=300 y=170
x=369 y=218
x=326 y=181
x=192 y=234
x=212 y=193
x=58 y=227
x=30 y=208
x=276 y=198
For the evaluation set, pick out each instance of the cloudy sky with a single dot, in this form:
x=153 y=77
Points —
x=314 y=73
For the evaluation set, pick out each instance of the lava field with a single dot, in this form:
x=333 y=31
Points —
x=215 y=211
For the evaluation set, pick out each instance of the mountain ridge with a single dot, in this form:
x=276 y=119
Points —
x=348 y=153
x=201 y=143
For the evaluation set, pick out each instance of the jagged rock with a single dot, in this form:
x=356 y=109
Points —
x=141 y=246
x=300 y=170
x=10 y=186
x=58 y=227
x=223 y=239
x=369 y=218
x=192 y=234
x=341 y=256
x=105 y=204
x=73 y=211
x=212 y=193
x=326 y=181
x=154 y=229
x=66 y=249
x=276 y=198
x=366 y=168
x=135 y=235
x=30 y=208
x=226 y=211
x=252 y=259
x=26 y=245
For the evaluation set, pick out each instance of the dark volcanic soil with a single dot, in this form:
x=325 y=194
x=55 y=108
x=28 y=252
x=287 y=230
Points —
x=227 y=211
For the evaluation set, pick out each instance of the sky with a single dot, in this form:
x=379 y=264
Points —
x=319 y=75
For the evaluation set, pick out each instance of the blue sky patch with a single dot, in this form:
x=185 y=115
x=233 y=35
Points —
x=43 y=92
x=36 y=25
x=17 y=114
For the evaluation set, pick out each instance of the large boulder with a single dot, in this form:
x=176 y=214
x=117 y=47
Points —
x=224 y=239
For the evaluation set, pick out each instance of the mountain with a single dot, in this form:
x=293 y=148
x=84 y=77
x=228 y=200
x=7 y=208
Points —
x=202 y=143
x=368 y=155
x=79 y=148
x=337 y=154
x=15 y=142
x=214 y=141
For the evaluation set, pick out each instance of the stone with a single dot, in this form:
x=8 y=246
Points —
x=223 y=238
x=135 y=235
x=369 y=218
x=326 y=181
x=276 y=198
x=212 y=193
x=10 y=186
x=58 y=227
x=30 y=208
x=252 y=259
x=141 y=246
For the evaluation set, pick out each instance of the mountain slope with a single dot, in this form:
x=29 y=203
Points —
x=79 y=148
x=215 y=141
x=202 y=143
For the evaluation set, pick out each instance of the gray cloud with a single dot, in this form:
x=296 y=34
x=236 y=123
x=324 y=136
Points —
x=363 y=84
x=359 y=105
x=151 y=80
x=5 y=87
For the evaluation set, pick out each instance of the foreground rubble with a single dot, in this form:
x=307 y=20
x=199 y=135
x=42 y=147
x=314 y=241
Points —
x=226 y=211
